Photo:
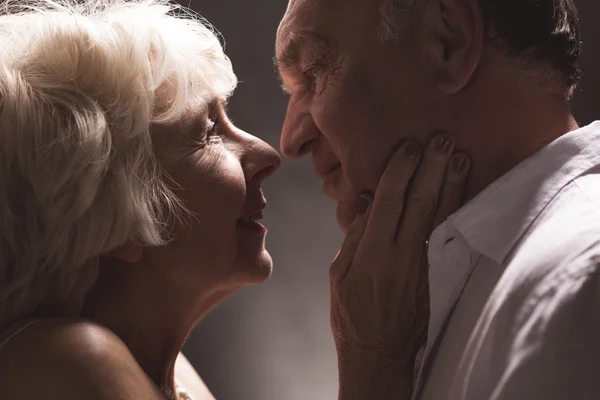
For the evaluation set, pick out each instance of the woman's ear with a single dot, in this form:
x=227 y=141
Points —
x=457 y=33
x=128 y=252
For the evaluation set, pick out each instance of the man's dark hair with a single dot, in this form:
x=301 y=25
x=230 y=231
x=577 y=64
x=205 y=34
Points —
x=543 y=34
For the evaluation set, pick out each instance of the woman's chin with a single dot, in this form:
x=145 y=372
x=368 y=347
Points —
x=256 y=270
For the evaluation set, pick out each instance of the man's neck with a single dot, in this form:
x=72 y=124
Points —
x=502 y=119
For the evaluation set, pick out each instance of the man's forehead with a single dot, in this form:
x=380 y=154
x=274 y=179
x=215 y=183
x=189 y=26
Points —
x=319 y=15
x=301 y=14
x=304 y=6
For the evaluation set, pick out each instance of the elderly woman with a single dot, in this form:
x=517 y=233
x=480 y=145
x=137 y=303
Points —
x=130 y=205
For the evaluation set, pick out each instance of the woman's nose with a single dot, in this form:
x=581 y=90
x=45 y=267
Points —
x=259 y=160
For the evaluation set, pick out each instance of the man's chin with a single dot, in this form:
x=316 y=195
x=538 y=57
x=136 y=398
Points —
x=345 y=214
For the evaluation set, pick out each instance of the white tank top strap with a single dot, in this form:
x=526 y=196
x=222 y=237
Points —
x=18 y=330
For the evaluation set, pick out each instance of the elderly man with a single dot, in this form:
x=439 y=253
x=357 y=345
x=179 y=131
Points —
x=514 y=274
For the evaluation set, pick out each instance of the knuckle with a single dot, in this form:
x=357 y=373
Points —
x=361 y=260
x=454 y=181
x=423 y=204
x=434 y=165
x=355 y=230
x=390 y=204
x=337 y=264
x=333 y=274
x=338 y=257
x=435 y=157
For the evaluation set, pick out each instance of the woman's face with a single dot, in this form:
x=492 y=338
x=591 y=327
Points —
x=217 y=171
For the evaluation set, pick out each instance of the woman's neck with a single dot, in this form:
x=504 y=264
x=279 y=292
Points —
x=152 y=319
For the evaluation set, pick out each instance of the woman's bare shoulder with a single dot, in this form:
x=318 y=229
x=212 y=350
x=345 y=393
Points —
x=66 y=359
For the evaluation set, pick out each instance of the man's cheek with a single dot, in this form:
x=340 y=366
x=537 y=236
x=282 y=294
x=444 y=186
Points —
x=358 y=174
x=374 y=166
x=333 y=111
x=347 y=207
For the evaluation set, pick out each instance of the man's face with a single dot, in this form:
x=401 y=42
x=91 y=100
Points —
x=353 y=98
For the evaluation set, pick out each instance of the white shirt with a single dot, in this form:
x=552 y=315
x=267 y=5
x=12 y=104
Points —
x=515 y=284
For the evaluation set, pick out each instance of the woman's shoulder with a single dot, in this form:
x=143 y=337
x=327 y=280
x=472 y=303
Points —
x=65 y=340
x=71 y=359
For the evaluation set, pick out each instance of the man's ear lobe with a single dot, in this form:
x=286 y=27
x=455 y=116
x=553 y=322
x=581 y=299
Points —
x=128 y=252
x=458 y=30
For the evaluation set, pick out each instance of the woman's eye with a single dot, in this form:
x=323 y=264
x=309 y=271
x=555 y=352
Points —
x=211 y=132
x=213 y=127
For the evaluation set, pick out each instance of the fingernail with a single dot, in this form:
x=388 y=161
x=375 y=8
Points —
x=364 y=201
x=444 y=143
x=412 y=150
x=459 y=163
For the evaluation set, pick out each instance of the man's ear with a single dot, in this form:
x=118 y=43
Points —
x=457 y=33
x=128 y=252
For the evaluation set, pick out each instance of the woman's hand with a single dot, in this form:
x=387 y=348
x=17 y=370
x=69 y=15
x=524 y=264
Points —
x=379 y=282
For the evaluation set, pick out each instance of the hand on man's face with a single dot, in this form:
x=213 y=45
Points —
x=380 y=272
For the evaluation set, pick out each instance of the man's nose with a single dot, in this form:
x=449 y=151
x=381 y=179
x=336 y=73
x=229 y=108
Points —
x=298 y=133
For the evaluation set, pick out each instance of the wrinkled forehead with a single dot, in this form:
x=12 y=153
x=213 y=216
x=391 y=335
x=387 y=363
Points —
x=325 y=16
x=298 y=15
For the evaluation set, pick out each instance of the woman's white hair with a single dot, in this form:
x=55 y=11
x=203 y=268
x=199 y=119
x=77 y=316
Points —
x=81 y=83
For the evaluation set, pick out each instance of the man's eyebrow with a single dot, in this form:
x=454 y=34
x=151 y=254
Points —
x=290 y=55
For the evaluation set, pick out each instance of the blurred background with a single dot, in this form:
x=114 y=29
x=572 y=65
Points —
x=273 y=342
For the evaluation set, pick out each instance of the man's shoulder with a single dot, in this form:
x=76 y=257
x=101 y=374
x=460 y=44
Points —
x=562 y=245
x=567 y=231
x=69 y=359
x=550 y=286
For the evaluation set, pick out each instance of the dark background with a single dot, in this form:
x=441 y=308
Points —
x=272 y=342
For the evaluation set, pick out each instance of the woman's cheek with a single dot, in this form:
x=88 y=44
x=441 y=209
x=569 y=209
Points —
x=232 y=179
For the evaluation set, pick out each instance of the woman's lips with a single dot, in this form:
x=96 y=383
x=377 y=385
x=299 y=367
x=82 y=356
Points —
x=253 y=227
x=251 y=224
x=255 y=216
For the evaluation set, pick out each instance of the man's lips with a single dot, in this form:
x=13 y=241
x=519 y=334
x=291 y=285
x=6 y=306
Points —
x=324 y=167
x=331 y=182
x=335 y=187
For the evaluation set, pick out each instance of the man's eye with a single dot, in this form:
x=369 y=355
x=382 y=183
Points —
x=313 y=71
x=314 y=76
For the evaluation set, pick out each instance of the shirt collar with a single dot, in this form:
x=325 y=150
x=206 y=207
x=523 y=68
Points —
x=494 y=220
